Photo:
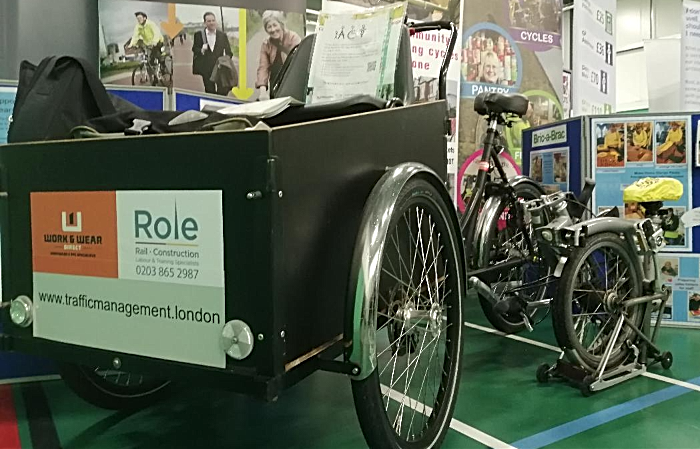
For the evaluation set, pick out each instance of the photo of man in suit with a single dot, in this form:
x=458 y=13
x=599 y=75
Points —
x=209 y=45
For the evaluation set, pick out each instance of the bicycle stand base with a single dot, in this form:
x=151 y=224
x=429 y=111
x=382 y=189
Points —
x=586 y=382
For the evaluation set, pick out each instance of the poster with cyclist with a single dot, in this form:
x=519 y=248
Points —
x=225 y=50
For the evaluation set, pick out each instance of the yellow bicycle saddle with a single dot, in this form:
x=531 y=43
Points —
x=648 y=190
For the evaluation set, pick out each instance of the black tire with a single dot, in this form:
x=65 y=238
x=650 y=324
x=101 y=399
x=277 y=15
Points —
x=168 y=72
x=509 y=323
x=374 y=402
x=543 y=373
x=666 y=360
x=586 y=390
x=137 y=78
x=584 y=269
x=97 y=388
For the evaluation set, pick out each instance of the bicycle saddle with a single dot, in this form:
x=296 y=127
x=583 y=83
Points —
x=649 y=190
x=487 y=103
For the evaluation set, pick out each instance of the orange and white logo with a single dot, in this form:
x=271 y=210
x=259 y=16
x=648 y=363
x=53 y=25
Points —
x=83 y=242
x=72 y=222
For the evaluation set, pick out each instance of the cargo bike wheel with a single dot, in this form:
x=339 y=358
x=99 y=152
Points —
x=408 y=399
x=112 y=389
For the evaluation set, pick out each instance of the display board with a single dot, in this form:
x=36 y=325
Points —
x=510 y=46
x=257 y=38
x=148 y=98
x=190 y=100
x=681 y=272
x=552 y=155
x=631 y=147
x=8 y=91
x=594 y=57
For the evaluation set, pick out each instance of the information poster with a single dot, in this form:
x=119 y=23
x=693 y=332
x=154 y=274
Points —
x=510 y=46
x=7 y=103
x=628 y=149
x=131 y=271
x=594 y=58
x=355 y=54
x=681 y=273
x=428 y=50
x=690 y=56
x=182 y=44
x=551 y=169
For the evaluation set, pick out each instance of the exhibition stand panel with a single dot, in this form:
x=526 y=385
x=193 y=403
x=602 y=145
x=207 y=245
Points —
x=616 y=150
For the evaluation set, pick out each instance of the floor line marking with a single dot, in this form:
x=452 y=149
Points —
x=464 y=429
x=659 y=377
x=512 y=337
x=20 y=380
x=600 y=418
x=673 y=381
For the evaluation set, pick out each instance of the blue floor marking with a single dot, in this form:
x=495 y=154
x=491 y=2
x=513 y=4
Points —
x=572 y=428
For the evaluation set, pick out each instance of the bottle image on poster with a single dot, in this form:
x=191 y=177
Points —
x=491 y=61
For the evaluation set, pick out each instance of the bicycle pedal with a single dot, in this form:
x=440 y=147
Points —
x=508 y=306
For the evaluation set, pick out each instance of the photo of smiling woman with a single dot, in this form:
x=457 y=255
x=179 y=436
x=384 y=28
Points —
x=488 y=57
x=274 y=51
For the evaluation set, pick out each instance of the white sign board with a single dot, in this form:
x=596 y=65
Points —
x=690 y=56
x=129 y=271
x=594 y=57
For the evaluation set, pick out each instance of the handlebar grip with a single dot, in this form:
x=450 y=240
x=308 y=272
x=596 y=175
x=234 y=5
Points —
x=586 y=192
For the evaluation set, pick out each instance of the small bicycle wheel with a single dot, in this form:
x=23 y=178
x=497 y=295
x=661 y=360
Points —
x=140 y=76
x=527 y=282
x=112 y=389
x=408 y=400
x=595 y=282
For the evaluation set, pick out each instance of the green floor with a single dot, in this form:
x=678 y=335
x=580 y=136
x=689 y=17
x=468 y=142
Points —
x=499 y=396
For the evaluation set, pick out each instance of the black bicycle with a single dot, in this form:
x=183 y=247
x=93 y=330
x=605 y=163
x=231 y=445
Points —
x=152 y=71
x=507 y=269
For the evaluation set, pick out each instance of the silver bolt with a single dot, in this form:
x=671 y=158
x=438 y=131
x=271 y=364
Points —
x=116 y=363
x=282 y=334
x=355 y=371
x=261 y=337
x=254 y=195
x=280 y=194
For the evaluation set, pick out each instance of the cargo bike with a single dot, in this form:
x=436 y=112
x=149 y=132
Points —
x=323 y=239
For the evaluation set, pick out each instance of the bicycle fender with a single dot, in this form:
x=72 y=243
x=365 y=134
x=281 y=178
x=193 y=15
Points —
x=596 y=226
x=522 y=179
x=361 y=308
x=488 y=218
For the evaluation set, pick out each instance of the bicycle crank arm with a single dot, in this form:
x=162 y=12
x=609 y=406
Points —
x=490 y=274
x=483 y=290
x=534 y=305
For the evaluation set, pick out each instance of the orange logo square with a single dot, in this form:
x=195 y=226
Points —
x=75 y=233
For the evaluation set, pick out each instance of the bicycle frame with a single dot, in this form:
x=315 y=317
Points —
x=488 y=159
